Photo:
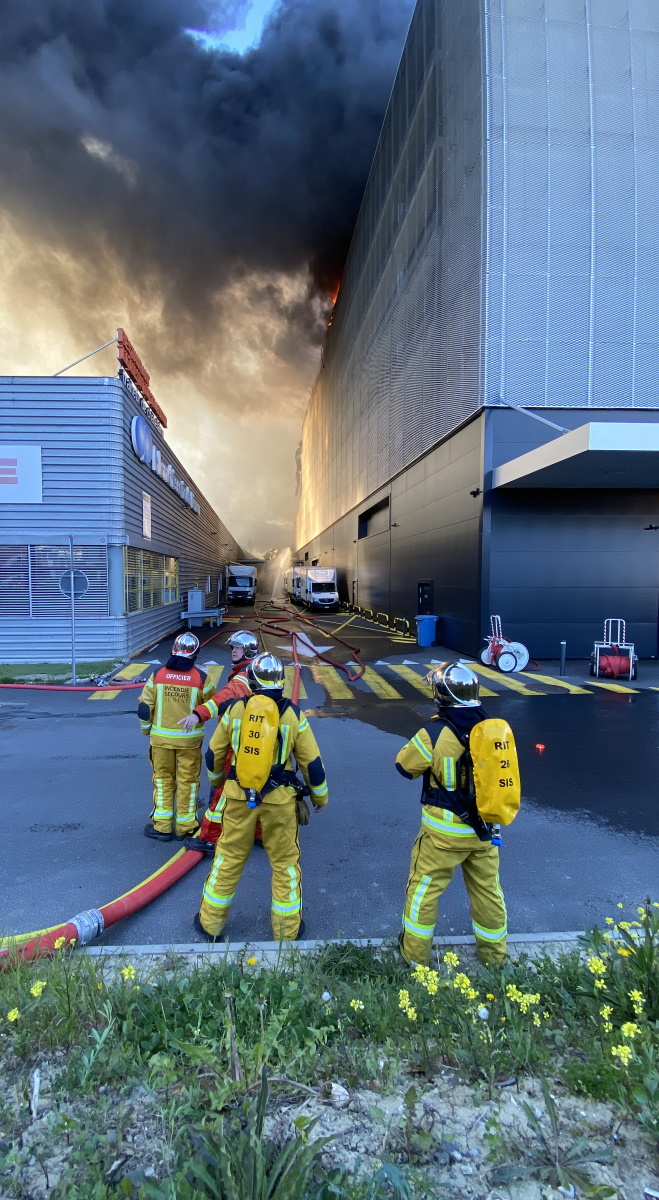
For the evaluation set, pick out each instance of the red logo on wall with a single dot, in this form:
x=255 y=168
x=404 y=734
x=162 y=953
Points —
x=8 y=470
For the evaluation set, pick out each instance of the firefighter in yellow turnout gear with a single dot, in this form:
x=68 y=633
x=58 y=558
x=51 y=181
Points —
x=273 y=805
x=171 y=693
x=448 y=837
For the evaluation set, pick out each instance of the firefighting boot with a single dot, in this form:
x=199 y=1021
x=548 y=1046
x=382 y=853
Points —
x=195 y=843
x=204 y=932
x=150 y=832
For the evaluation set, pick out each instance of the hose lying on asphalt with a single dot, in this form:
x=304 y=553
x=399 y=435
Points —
x=86 y=926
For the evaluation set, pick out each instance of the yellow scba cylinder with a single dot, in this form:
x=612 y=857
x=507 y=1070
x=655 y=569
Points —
x=496 y=771
x=258 y=739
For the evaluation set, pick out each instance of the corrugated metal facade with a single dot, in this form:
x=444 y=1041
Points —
x=92 y=491
x=508 y=241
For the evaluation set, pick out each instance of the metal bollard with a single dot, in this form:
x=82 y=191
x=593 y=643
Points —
x=563 y=650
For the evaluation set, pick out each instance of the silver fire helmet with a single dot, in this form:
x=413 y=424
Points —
x=454 y=685
x=245 y=641
x=186 y=645
x=266 y=673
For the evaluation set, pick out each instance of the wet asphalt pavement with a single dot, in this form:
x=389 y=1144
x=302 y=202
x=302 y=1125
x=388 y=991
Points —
x=76 y=794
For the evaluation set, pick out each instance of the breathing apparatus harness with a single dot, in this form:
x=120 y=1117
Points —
x=492 y=790
x=252 y=767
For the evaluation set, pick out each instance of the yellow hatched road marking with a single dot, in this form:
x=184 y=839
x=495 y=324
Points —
x=571 y=687
x=330 y=679
x=288 y=686
x=505 y=680
x=411 y=676
x=611 y=687
x=104 y=695
x=131 y=670
x=348 y=622
x=379 y=685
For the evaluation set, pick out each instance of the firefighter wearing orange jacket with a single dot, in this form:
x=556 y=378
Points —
x=168 y=695
x=244 y=647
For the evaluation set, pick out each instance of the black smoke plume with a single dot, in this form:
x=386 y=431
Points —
x=122 y=136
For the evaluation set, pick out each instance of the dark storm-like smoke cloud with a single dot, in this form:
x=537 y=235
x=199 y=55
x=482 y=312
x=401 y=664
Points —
x=119 y=130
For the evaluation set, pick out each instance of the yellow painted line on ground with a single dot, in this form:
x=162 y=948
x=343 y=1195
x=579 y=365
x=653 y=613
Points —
x=213 y=673
x=571 y=687
x=288 y=685
x=504 y=680
x=348 y=622
x=131 y=671
x=417 y=681
x=611 y=687
x=104 y=695
x=380 y=686
x=483 y=690
x=331 y=681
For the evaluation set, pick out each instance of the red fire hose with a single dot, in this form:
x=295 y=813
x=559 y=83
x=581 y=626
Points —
x=86 y=926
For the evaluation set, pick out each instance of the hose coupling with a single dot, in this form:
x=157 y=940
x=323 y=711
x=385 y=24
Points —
x=90 y=925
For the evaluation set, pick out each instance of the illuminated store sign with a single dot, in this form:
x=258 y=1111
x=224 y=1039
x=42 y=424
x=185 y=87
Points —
x=142 y=441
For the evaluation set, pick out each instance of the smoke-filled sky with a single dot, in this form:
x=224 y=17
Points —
x=200 y=197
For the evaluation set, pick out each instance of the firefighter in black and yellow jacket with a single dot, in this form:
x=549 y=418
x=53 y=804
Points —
x=449 y=822
x=282 y=736
x=171 y=693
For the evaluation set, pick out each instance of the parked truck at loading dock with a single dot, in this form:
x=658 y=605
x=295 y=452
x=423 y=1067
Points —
x=240 y=583
x=318 y=587
x=293 y=584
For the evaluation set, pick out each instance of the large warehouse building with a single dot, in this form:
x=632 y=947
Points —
x=506 y=254
x=90 y=490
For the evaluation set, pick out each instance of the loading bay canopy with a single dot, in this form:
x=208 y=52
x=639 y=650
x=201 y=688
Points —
x=602 y=454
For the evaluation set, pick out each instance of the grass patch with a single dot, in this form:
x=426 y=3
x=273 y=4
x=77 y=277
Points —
x=53 y=672
x=186 y=1053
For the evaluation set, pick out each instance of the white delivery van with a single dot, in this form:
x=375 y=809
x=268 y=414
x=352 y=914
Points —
x=293 y=584
x=240 y=583
x=319 y=588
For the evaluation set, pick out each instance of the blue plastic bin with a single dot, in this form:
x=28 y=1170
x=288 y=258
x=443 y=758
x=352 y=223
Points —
x=425 y=630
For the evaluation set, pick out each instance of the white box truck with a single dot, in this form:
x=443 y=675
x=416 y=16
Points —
x=240 y=583
x=319 y=587
x=293 y=584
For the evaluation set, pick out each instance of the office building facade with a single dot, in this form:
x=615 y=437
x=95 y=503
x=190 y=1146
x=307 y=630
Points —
x=89 y=484
x=506 y=253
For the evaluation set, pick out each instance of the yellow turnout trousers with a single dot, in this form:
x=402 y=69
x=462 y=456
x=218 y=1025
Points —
x=431 y=871
x=278 y=817
x=176 y=773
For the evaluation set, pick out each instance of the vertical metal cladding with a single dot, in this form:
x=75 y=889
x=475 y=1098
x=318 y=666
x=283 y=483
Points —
x=508 y=240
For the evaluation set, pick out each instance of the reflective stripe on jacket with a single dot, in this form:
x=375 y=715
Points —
x=441 y=759
x=236 y=687
x=168 y=696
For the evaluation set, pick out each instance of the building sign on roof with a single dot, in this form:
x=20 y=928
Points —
x=134 y=367
x=20 y=475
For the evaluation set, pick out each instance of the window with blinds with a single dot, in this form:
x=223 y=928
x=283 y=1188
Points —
x=35 y=581
x=149 y=579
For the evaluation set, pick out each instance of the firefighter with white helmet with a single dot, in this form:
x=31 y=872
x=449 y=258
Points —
x=269 y=737
x=452 y=831
x=244 y=647
x=168 y=695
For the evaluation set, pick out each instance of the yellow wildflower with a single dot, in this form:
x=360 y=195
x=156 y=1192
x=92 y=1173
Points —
x=599 y=984
x=251 y=962
x=596 y=965
x=605 y=1011
x=38 y=988
x=410 y=1013
x=623 y=952
x=451 y=959
x=536 y=1019
x=637 y=1001
x=513 y=992
x=640 y=911
x=13 y=1014
x=546 y=1016
x=621 y=906
x=624 y=925
x=356 y=1004
x=403 y=998
x=655 y=904
x=59 y=943
x=490 y=996
x=128 y=972
x=623 y=1053
x=462 y=982
x=528 y=999
x=610 y=921
x=607 y=937
x=471 y=994
x=629 y=1030
x=99 y=986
